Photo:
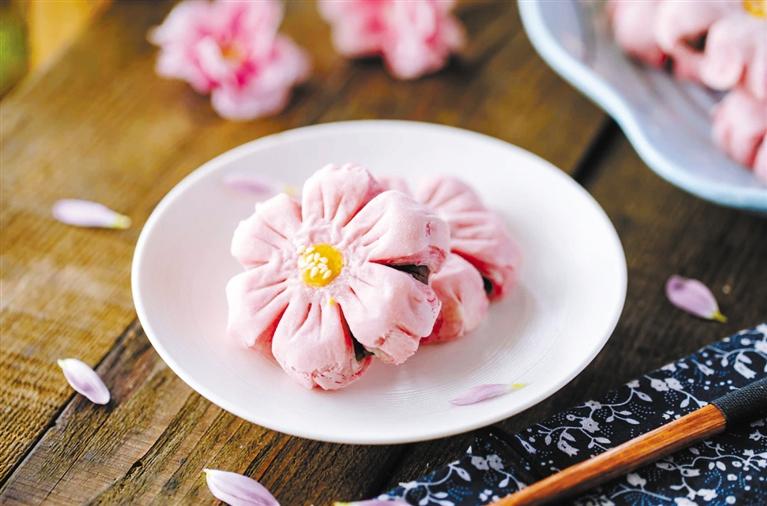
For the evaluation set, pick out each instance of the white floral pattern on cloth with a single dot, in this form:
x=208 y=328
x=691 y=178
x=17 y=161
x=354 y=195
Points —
x=728 y=469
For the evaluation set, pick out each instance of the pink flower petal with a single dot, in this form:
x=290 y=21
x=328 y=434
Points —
x=338 y=193
x=461 y=290
x=694 y=297
x=312 y=344
x=484 y=392
x=238 y=490
x=252 y=184
x=411 y=308
x=257 y=236
x=377 y=228
x=257 y=300
x=83 y=213
x=84 y=380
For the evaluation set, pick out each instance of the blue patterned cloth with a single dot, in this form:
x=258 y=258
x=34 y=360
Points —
x=728 y=469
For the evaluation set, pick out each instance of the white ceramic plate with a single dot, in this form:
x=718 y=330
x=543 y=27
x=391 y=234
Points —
x=570 y=295
x=667 y=121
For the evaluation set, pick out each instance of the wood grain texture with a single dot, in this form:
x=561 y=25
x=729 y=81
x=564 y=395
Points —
x=51 y=26
x=99 y=125
x=664 y=231
x=152 y=441
x=700 y=424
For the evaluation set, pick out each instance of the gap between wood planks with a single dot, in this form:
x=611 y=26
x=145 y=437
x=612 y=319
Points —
x=588 y=167
x=133 y=328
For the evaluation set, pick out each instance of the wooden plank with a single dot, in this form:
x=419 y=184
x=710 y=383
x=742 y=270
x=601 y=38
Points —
x=664 y=231
x=66 y=291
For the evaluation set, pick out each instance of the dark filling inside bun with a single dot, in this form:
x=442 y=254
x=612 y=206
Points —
x=488 y=285
x=359 y=351
x=697 y=43
x=419 y=272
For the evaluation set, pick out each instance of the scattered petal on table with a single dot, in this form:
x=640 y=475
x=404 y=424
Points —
x=238 y=490
x=694 y=297
x=255 y=185
x=84 y=213
x=484 y=392
x=84 y=380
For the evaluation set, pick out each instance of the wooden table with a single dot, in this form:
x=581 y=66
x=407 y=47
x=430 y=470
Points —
x=99 y=124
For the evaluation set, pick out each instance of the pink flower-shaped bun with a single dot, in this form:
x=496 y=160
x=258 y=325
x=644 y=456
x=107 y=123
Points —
x=657 y=31
x=476 y=233
x=630 y=22
x=736 y=54
x=740 y=128
x=340 y=274
x=231 y=50
x=483 y=259
x=461 y=290
x=414 y=37
x=678 y=26
x=760 y=163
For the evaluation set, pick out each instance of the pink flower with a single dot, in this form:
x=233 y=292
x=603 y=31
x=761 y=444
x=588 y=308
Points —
x=231 y=50
x=736 y=54
x=329 y=279
x=414 y=38
x=740 y=129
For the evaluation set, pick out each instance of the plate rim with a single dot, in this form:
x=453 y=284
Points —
x=609 y=99
x=382 y=439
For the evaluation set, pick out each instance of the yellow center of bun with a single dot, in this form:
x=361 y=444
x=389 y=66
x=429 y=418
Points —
x=320 y=264
x=756 y=8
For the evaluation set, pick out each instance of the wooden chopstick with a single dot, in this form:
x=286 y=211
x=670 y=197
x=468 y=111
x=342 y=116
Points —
x=741 y=405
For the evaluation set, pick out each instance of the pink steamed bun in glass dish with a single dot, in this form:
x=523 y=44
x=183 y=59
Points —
x=720 y=43
x=660 y=31
x=740 y=130
x=736 y=53
x=339 y=276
